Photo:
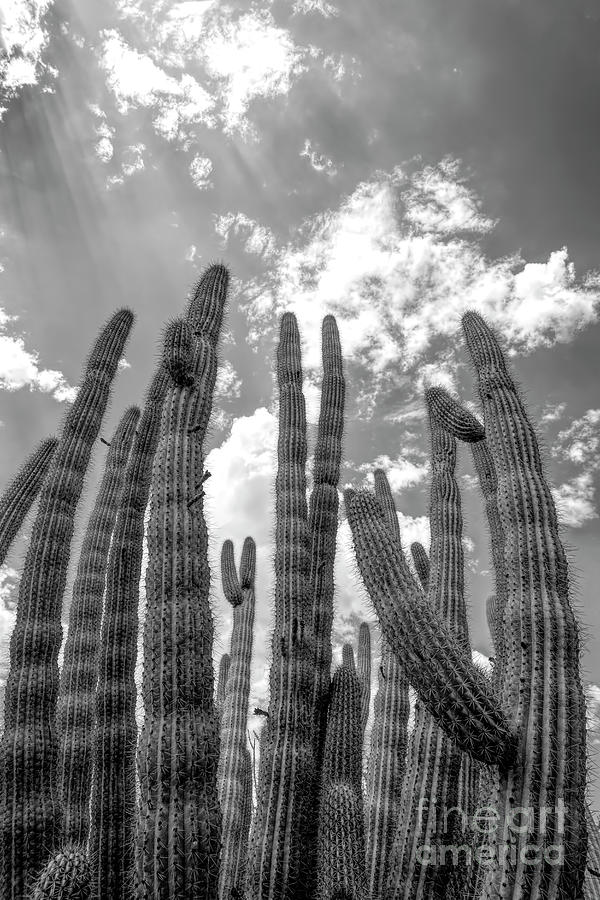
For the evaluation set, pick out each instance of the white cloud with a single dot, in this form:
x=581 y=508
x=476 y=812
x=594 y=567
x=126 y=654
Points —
x=253 y=57
x=200 y=171
x=397 y=287
x=19 y=367
x=137 y=81
x=304 y=7
x=258 y=239
x=575 y=501
x=228 y=384
x=23 y=41
x=319 y=161
x=553 y=412
x=400 y=472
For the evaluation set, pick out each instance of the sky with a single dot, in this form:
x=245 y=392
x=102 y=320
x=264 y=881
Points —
x=393 y=163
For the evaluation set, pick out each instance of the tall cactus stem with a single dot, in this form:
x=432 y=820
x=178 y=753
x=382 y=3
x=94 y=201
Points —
x=30 y=808
x=364 y=671
x=75 y=712
x=233 y=774
x=17 y=499
x=179 y=820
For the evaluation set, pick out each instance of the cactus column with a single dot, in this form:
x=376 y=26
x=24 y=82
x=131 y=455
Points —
x=179 y=822
x=113 y=785
x=18 y=498
x=233 y=775
x=282 y=842
x=341 y=836
x=30 y=809
x=75 y=712
x=387 y=757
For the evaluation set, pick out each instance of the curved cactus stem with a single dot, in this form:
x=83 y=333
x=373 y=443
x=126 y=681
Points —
x=30 y=808
x=364 y=672
x=17 y=499
x=113 y=795
x=75 y=711
x=179 y=820
x=66 y=876
x=541 y=685
x=445 y=679
x=341 y=837
x=234 y=777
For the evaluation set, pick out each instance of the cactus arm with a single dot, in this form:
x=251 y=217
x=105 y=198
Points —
x=449 y=685
x=75 y=711
x=341 y=838
x=233 y=775
x=284 y=816
x=541 y=684
x=18 y=497
x=364 y=671
x=30 y=809
x=179 y=820
x=421 y=562
x=113 y=786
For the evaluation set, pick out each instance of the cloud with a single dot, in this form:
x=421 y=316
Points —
x=395 y=265
x=401 y=472
x=575 y=501
x=23 y=40
x=252 y=57
x=579 y=445
x=19 y=368
x=319 y=161
x=258 y=239
x=200 y=170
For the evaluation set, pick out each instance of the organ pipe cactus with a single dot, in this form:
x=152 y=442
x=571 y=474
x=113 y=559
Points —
x=282 y=840
x=387 y=757
x=66 y=876
x=540 y=692
x=179 y=821
x=364 y=671
x=348 y=657
x=233 y=774
x=385 y=770
x=430 y=793
x=421 y=562
x=224 y=666
x=113 y=796
x=18 y=497
x=75 y=712
x=341 y=836
x=30 y=808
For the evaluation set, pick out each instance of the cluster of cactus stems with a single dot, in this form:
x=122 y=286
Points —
x=90 y=808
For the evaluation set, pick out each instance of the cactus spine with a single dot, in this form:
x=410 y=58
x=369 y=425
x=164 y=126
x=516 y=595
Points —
x=75 y=712
x=233 y=775
x=179 y=822
x=341 y=835
x=282 y=841
x=30 y=809
x=113 y=786
x=17 y=499
x=364 y=672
